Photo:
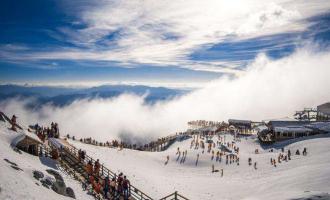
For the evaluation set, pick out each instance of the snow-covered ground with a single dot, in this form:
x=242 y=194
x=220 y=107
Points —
x=303 y=176
x=20 y=184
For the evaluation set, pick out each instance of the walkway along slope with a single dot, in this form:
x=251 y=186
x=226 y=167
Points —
x=70 y=161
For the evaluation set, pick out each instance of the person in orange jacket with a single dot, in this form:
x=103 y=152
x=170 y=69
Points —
x=89 y=168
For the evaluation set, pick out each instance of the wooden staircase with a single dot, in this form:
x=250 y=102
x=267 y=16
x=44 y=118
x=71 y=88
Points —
x=75 y=167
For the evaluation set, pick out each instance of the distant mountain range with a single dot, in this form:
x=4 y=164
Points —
x=60 y=96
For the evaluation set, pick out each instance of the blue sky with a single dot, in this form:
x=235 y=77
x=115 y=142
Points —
x=164 y=42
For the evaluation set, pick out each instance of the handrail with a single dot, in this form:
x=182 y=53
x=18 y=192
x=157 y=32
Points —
x=174 y=196
x=104 y=171
x=135 y=192
x=160 y=144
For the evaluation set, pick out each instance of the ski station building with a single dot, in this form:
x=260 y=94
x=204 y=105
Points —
x=240 y=126
x=283 y=130
x=323 y=112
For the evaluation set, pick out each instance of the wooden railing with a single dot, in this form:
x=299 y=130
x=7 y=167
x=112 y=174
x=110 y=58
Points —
x=104 y=171
x=174 y=196
x=160 y=144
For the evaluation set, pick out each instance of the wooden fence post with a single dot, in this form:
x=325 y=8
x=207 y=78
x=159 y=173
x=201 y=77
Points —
x=102 y=169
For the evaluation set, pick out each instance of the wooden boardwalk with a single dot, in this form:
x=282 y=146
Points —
x=76 y=167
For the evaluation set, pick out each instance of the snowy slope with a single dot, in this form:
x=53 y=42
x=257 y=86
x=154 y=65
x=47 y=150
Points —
x=303 y=176
x=20 y=184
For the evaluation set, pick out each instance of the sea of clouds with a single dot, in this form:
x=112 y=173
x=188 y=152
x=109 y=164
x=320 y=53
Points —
x=268 y=89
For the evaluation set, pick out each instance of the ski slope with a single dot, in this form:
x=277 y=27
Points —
x=20 y=184
x=303 y=176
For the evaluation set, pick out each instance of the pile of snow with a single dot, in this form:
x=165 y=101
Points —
x=16 y=172
x=303 y=176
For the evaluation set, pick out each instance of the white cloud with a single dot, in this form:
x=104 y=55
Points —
x=268 y=89
x=165 y=32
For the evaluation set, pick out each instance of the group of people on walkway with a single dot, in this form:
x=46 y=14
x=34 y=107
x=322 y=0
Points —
x=47 y=132
x=117 y=187
x=156 y=145
x=101 y=185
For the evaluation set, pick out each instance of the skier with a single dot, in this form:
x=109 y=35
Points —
x=221 y=172
x=255 y=165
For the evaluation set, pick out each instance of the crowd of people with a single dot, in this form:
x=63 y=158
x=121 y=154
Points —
x=47 y=132
x=156 y=145
x=227 y=152
x=117 y=187
x=285 y=156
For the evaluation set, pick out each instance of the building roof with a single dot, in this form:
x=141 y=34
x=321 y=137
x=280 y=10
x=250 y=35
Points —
x=209 y=128
x=26 y=134
x=287 y=123
x=238 y=121
x=280 y=119
x=261 y=128
x=296 y=129
x=322 y=126
x=56 y=143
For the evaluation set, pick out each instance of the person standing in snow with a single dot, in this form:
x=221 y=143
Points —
x=221 y=172
x=89 y=168
x=120 y=180
x=305 y=152
x=106 y=186
x=126 y=184
x=250 y=161
x=13 y=123
x=197 y=159
x=255 y=165
x=97 y=168
x=167 y=159
x=289 y=154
